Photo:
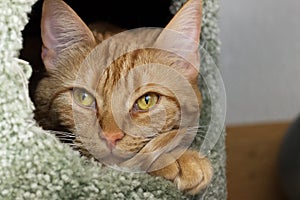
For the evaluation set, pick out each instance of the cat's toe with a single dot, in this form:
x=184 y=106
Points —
x=196 y=173
x=170 y=172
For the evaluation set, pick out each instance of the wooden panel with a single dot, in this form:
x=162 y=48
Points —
x=252 y=152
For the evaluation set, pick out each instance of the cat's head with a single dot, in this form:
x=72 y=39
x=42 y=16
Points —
x=131 y=95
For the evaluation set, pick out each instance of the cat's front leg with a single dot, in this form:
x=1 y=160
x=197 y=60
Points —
x=190 y=172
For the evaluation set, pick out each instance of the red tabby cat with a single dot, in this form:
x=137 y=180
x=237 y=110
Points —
x=130 y=100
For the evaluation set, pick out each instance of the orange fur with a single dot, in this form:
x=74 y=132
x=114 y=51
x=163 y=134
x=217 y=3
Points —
x=71 y=62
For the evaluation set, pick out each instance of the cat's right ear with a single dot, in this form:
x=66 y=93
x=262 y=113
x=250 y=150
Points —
x=62 y=30
x=182 y=36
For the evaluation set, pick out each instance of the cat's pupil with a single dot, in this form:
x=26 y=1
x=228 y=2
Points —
x=84 y=95
x=147 y=98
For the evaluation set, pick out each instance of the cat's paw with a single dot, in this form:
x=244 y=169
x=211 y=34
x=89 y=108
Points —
x=191 y=172
x=195 y=172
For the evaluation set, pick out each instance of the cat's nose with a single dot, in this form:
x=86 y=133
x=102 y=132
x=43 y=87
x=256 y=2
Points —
x=113 y=137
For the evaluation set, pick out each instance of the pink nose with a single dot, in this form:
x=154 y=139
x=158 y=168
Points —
x=113 y=137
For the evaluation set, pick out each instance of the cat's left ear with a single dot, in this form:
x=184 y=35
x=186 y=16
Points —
x=182 y=35
x=63 y=32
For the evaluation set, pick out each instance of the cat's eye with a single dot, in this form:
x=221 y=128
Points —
x=83 y=98
x=147 y=101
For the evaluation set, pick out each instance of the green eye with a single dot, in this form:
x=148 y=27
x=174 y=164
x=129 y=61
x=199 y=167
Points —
x=83 y=98
x=147 y=101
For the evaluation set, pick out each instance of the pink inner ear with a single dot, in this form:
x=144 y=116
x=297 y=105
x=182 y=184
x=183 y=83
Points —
x=48 y=57
x=181 y=36
x=50 y=42
x=61 y=28
x=49 y=37
x=188 y=20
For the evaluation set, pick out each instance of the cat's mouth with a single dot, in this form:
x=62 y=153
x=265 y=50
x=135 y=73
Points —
x=117 y=158
x=113 y=154
x=128 y=161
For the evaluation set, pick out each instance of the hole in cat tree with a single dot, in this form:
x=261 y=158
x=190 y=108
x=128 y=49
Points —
x=125 y=14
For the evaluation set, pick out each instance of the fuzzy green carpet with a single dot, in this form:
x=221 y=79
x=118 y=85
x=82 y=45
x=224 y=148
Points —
x=34 y=165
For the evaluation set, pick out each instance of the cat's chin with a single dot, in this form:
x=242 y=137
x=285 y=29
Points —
x=114 y=157
x=114 y=161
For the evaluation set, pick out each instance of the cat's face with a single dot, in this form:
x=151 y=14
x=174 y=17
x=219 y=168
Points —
x=125 y=98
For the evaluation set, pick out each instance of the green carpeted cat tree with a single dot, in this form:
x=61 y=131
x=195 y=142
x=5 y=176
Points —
x=35 y=165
